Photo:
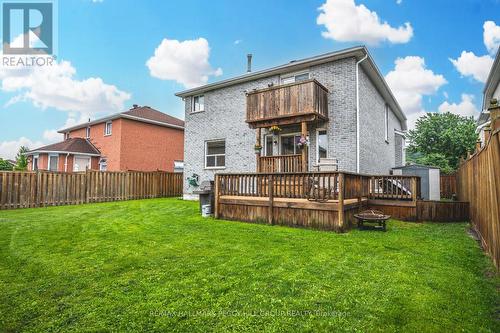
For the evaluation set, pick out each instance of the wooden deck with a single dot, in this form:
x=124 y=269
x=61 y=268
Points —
x=324 y=200
x=290 y=211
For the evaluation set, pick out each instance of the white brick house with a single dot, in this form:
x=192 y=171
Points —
x=318 y=96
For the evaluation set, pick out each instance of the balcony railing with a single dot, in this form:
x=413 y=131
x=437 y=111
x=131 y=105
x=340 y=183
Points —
x=280 y=163
x=287 y=104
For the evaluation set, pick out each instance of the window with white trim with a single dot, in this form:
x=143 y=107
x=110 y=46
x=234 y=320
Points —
x=198 y=103
x=35 y=163
x=66 y=136
x=103 y=164
x=295 y=77
x=53 y=163
x=386 y=121
x=215 y=154
x=108 y=127
x=322 y=145
x=268 y=149
x=87 y=132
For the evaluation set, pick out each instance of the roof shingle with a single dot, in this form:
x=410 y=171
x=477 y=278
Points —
x=147 y=112
x=72 y=145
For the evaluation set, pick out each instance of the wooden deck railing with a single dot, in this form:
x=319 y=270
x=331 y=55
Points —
x=318 y=185
x=395 y=187
x=280 y=163
x=289 y=103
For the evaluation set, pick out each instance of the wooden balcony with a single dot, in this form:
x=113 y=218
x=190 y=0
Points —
x=280 y=163
x=293 y=103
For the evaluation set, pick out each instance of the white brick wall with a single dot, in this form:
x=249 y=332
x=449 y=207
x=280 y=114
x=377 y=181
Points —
x=225 y=114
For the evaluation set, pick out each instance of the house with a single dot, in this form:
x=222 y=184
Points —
x=140 y=139
x=338 y=103
x=491 y=90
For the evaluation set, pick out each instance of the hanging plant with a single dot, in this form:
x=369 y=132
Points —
x=257 y=148
x=274 y=129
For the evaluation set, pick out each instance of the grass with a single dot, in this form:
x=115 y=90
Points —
x=156 y=265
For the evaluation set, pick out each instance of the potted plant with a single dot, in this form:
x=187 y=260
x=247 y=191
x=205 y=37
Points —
x=274 y=129
x=257 y=148
x=302 y=142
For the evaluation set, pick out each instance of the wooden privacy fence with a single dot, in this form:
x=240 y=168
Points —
x=478 y=183
x=40 y=189
x=448 y=186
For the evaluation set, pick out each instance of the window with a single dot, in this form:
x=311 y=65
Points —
x=295 y=77
x=269 y=145
x=215 y=154
x=103 y=164
x=35 y=163
x=53 y=162
x=66 y=136
x=386 y=120
x=322 y=145
x=81 y=163
x=289 y=144
x=108 y=128
x=87 y=133
x=198 y=103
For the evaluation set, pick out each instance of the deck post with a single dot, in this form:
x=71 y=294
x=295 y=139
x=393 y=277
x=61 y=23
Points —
x=216 y=199
x=414 y=190
x=270 y=190
x=341 y=200
x=258 y=152
x=494 y=117
x=303 y=126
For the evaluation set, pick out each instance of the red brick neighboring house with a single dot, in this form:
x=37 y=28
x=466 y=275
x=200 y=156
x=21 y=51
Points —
x=140 y=139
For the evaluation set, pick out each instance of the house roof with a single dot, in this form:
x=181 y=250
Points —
x=357 y=52
x=144 y=114
x=72 y=146
x=489 y=88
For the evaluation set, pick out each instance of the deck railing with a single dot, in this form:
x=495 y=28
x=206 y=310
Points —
x=319 y=185
x=300 y=99
x=280 y=163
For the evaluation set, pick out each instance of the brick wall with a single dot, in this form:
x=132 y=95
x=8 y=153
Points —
x=225 y=114
x=376 y=155
x=108 y=145
x=148 y=147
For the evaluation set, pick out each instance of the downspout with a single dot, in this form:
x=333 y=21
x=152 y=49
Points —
x=66 y=163
x=357 y=111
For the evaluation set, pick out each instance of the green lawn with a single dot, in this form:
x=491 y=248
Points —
x=156 y=265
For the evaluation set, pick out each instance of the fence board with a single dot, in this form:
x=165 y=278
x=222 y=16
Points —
x=478 y=181
x=40 y=189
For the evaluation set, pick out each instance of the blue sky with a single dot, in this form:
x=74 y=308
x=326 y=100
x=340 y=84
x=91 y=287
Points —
x=103 y=48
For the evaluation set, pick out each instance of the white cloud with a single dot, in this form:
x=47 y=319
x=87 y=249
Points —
x=468 y=64
x=413 y=117
x=183 y=61
x=238 y=41
x=410 y=80
x=399 y=2
x=55 y=86
x=345 y=21
x=465 y=108
x=491 y=36
x=9 y=149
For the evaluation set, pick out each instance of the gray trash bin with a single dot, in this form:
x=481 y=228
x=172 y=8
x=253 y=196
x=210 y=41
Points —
x=207 y=198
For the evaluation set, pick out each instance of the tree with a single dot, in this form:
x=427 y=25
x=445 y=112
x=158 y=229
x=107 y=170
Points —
x=5 y=165
x=21 y=159
x=440 y=139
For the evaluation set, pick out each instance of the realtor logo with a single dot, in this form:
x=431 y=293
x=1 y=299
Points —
x=28 y=27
